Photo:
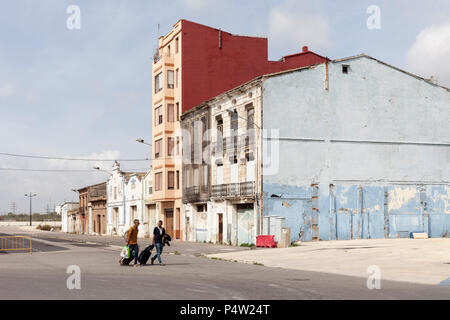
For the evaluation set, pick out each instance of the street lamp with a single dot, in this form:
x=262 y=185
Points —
x=99 y=169
x=31 y=195
x=142 y=141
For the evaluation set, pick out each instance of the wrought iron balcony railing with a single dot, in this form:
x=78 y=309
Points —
x=233 y=189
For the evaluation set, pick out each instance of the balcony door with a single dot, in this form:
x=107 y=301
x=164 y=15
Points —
x=219 y=175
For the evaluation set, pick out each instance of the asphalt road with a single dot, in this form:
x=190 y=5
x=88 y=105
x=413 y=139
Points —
x=42 y=275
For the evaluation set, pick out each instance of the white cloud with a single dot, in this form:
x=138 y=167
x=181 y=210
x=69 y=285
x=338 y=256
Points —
x=6 y=89
x=430 y=53
x=291 y=27
x=196 y=4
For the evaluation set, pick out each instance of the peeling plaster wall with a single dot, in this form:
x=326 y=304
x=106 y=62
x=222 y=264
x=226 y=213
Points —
x=376 y=144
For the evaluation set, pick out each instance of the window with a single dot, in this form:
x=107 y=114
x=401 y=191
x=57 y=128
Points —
x=178 y=179
x=345 y=68
x=201 y=208
x=158 y=145
x=205 y=176
x=158 y=181
x=158 y=82
x=170 y=147
x=250 y=116
x=158 y=116
x=170 y=180
x=177 y=42
x=170 y=113
x=150 y=190
x=177 y=146
x=170 y=80
x=177 y=75
x=234 y=121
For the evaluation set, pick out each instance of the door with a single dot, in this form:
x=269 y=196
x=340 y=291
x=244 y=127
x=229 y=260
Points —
x=178 y=226
x=246 y=226
x=169 y=221
x=151 y=218
x=220 y=232
x=98 y=229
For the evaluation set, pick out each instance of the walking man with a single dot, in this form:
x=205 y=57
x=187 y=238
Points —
x=158 y=233
x=132 y=240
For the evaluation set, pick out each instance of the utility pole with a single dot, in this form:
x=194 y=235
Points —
x=31 y=195
x=13 y=208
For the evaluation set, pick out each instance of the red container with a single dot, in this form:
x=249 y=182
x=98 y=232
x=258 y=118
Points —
x=266 y=241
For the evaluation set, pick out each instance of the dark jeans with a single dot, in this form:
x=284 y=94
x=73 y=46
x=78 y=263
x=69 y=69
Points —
x=135 y=248
x=159 y=249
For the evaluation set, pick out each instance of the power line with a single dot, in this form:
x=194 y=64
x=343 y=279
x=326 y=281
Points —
x=58 y=170
x=62 y=158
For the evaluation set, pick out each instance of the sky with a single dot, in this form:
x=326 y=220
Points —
x=86 y=93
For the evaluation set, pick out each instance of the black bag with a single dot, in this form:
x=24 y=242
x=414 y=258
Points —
x=126 y=261
x=145 y=255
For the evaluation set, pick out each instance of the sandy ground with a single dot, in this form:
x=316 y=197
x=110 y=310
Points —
x=425 y=261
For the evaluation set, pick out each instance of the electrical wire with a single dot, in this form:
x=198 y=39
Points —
x=61 y=170
x=71 y=159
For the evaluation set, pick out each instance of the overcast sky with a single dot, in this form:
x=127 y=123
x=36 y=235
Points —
x=87 y=93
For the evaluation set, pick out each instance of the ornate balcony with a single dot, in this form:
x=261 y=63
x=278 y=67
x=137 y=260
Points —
x=233 y=190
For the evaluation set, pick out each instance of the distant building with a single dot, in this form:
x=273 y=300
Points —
x=91 y=217
x=194 y=63
x=125 y=200
x=348 y=149
x=67 y=209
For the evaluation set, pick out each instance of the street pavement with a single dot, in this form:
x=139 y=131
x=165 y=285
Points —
x=425 y=261
x=188 y=274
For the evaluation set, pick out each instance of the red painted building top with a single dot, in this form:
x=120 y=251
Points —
x=215 y=61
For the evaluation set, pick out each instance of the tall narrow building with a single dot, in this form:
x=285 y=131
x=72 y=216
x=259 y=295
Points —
x=194 y=63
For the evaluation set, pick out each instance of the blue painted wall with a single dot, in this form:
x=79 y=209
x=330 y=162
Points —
x=358 y=211
x=362 y=154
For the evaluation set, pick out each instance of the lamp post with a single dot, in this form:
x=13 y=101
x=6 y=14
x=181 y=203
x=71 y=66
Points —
x=143 y=142
x=30 y=195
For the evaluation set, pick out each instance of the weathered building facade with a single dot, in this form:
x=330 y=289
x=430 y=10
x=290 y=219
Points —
x=363 y=154
x=91 y=214
x=348 y=149
x=65 y=209
x=222 y=202
x=125 y=200
x=194 y=63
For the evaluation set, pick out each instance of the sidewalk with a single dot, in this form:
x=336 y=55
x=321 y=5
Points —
x=177 y=247
x=412 y=260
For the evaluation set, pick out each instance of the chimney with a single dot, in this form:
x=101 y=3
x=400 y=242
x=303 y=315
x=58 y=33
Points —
x=305 y=49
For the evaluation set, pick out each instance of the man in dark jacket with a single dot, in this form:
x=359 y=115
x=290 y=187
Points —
x=158 y=233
